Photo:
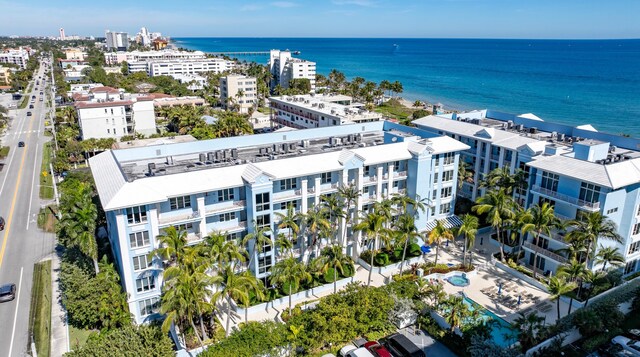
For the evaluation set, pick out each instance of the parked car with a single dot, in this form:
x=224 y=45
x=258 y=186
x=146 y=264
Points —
x=377 y=349
x=346 y=349
x=1 y=223
x=360 y=352
x=7 y=292
x=627 y=344
x=400 y=345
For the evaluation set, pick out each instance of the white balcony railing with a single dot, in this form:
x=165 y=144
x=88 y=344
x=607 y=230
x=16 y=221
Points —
x=545 y=252
x=226 y=207
x=591 y=206
x=179 y=218
x=400 y=174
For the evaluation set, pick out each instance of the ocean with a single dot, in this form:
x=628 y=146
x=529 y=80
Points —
x=568 y=81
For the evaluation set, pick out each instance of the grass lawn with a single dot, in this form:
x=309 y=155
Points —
x=78 y=337
x=264 y=110
x=4 y=151
x=47 y=219
x=24 y=102
x=393 y=109
x=46 y=182
x=40 y=311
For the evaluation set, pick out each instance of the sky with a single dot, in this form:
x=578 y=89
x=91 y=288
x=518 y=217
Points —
x=531 y=19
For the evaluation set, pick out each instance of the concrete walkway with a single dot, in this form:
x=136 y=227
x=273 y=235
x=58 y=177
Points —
x=59 y=327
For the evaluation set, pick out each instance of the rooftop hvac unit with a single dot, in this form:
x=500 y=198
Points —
x=510 y=124
x=554 y=135
x=305 y=143
x=359 y=137
x=561 y=137
x=292 y=147
x=262 y=151
x=211 y=156
x=202 y=157
x=533 y=130
x=152 y=167
x=520 y=127
x=612 y=148
x=234 y=154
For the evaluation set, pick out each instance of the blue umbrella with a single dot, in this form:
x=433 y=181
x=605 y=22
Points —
x=519 y=298
x=499 y=288
x=425 y=249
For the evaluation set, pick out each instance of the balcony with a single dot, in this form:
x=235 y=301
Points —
x=224 y=207
x=589 y=206
x=544 y=252
x=368 y=199
x=240 y=226
x=194 y=237
x=401 y=174
x=286 y=195
x=174 y=219
x=556 y=235
x=328 y=187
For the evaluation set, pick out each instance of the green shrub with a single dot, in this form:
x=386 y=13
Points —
x=285 y=288
x=381 y=259
x=127 y=341
x=349 y=270
x=592 y=343
x=413 y=250
x=252 y=339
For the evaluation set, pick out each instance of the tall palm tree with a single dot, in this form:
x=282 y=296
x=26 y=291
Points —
x=457 y=311
x=574 y=271
x=371 y=225
x=261 y=237
x=232 y=286
x=349 y=194
x=284 y=245
x=464 y=174
x=335 y=210
x=592 y=278
x=79 y=225
x=591 y=227
x=468 y=229
x=407 y=232
x=289 y=272
x=289 y=220
x=172 y=244
x=609 y=255
x=558 y=287
x=498 y=206
x=438 y=234
x=221 y=251
x=333 y=257
x=316 y=222
x=386 y=209
x=404 y=203
x=499 y=178
x=540 y=220
x=529 y=325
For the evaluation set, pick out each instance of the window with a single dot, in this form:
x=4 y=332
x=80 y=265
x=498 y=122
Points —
x=262 y=202
x=225 y=195
x=435 y=177
x=233 y=236
x=288 y=184
x=550 y=181
x=145 y=284
x=434 y=194
x=226 y=217
x=396 y=165
x=137 y=214
x=325 y=177
x=183 y=227
x=264 y=263
x=449 y=158
x=367 y=171
x=636 y=229
x=180 y=202
x=263 y=221
x=589 y=192
x=630 y=267
x=139 y=239
x=634 y=247
x=141 y=262
x=285 y=205
x=445 y=192
x=613 y=210
x=437 y=160
x=108 y=131
x=447 y=176
x=445 y=208
x=149 y=306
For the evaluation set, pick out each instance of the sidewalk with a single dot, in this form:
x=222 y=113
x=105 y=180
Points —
x=59 y=328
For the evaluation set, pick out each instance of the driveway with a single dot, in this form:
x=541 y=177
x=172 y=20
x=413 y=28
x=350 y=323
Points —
x=429 y=345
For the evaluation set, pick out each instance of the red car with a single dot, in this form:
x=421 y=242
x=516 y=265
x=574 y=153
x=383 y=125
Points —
x=377 y=349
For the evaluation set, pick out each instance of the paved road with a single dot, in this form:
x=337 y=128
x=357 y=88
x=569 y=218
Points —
x=21 y=243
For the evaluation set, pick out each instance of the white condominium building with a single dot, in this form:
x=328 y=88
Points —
x=113 y=58
x=116 y=41
x=316 y=111
x=109 y=113
x=232 y=185
x=284 y=68
x=238 y=91
x=19 y=57
x=177 y=67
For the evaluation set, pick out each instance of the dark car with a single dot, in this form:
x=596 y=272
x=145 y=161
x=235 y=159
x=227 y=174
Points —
x=1 y=224
x=20 y=144
x=33 y=97
x=7 y=292
x=30 y=106
x=400 y=345
x=29 y=114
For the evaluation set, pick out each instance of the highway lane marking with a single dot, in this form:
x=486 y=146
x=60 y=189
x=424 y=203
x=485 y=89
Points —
x=32 y=185
x=13 y=205
x=15 y=317
x=6 y=173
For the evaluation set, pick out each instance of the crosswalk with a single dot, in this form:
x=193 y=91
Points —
x=26 y=132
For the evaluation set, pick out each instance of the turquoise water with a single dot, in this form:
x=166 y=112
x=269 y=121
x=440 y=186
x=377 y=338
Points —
x=458 y=280
x=501 y=331
x=568 y=81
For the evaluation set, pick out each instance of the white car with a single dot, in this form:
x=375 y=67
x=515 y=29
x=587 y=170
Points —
x=627 y=344
x=344 y=351
x=360 y=352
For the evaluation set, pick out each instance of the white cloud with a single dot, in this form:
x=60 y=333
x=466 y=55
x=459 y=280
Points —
x=284 y=4
x=363 y=3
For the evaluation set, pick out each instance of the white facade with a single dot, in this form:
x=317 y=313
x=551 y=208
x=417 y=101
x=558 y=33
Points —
x=284 y=68
x=118 y=41
x=109 y=113
x=113 y=58
x=194 y=82
x=173 y=67
x=316 y=111
x=19 y=57
x=231 y=85
x=75 y=54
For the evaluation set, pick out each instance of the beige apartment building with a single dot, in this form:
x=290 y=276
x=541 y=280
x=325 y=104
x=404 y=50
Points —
x=231 y=85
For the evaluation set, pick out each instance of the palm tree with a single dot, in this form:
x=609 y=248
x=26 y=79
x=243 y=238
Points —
x=592 y=278
x=591 y=227
x=233 y=286
x=609 y=255
x=558 y=287
x=540 y=220
x=371 y=225
x=261 y=237
x=335 y=210
x=407 y=231
x=469 y=229
x=574 y=271
x=499 y=178
x=316 y=221
x=349 y=195
x=78 y=226
x=438 y=234
x=284 y=245
x=457 y=311
x=529 y=325
x=333 y=257
x=289 y=272
x=434 y=292
x=464 y=174
x=289 y=221
x=498 y=206
x=172 y=244
x=221 y=251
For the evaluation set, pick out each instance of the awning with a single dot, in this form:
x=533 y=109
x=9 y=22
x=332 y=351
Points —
x=449 y=222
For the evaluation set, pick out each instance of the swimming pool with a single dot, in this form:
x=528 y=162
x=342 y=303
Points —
x=458 y=280
x=502 y=333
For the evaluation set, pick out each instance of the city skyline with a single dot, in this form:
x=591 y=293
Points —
x=570 y=19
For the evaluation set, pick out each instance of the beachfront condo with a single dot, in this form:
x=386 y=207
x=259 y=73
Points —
x=284 y=68
x=235 y=185
x=575 y=169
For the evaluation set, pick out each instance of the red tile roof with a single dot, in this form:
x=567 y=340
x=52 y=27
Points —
x=103 y=90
